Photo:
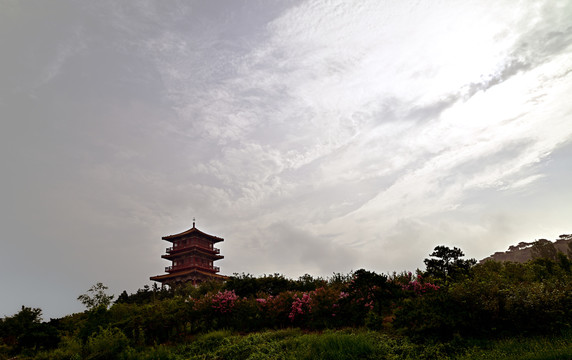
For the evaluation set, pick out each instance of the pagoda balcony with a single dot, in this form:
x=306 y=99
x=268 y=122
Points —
x=170 y=250
x=208 y=268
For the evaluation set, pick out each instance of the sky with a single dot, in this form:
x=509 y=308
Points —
x=315 y=136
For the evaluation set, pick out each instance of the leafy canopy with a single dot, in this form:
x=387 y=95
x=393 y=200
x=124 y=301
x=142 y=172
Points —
x=96 y=297
x=447 y=265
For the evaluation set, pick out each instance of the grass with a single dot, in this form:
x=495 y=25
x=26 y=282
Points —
x=364 y=344
x=290 y=344
x=538 y=348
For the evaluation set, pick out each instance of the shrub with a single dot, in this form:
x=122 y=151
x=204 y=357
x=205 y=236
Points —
x=70 y=348
x=206 y=343
x=223 y=302
x=106 y=344
x=338 y=346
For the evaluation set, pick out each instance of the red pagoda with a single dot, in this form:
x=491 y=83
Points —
x=192 y=256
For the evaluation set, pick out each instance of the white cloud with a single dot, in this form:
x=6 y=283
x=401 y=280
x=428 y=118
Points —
x=370 y=129
x=358 y=95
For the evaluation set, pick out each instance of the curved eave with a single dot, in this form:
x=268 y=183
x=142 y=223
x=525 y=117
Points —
x=195 y=231
x=167 y=277
x=210 y=255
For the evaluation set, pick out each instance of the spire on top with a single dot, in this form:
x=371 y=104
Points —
x=193 y=222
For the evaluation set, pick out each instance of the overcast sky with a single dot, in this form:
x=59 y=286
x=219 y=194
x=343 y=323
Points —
x=313 y=136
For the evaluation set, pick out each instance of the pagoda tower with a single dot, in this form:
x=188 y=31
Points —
x=192 y=256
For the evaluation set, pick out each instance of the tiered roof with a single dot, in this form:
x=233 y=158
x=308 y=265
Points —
x=193 y=231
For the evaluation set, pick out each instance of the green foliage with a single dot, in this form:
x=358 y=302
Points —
x=146 y=295
x=309 y=283
x=25 y=332
x=155 y=322
x=448 y=265
x=360 y=344
x=340 y=346
x=106 y=344
x=197 y=291
x=246 y=285
x=545 y=249
x=70 y=348
x=410 y=315
x=291 y=344
x=243 y=284
x=98 y=317
x=564 y=262
x=538 y=348
x=339 y=280
x=499 y=299
x=159 y=352
x=324 y=308
x=14 y=327
x=96 y=297
x=368 y=292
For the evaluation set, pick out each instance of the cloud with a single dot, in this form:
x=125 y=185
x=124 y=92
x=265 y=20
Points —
x=278 y=246
x=315 y=136
x=345 y=105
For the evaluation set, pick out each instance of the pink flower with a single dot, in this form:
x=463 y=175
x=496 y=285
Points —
x=300 y=306
x=420 y=288
x=223 y=302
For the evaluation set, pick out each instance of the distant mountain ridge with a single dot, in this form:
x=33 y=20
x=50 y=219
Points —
x=525 y=251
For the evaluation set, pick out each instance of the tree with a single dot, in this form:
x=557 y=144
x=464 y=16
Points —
x=25 y=330
x=448 y=264
x=96 y=297
x=19 y=324
x=543 y=248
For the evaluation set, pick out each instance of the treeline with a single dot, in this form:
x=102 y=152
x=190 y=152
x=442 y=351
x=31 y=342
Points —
x=452 y=299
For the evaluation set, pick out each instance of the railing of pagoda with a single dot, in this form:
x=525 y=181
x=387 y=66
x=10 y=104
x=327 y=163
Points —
x=173 y=249
x=170 y=269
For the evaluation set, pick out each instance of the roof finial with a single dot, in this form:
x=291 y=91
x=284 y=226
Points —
x=193 y=221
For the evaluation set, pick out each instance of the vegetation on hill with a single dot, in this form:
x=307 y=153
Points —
x=541 y=248
x=454 y=308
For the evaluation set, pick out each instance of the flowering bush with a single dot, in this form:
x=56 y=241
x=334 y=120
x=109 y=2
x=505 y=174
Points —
x=300 y=306
x=493 y=300
x=223 y=302
x=325 y=307
x=366 y=293
x=419 y=287
x=261 y=301
x=275 y=309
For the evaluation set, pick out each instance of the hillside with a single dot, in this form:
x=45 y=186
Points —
x=439 y=313
x=525 y=251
